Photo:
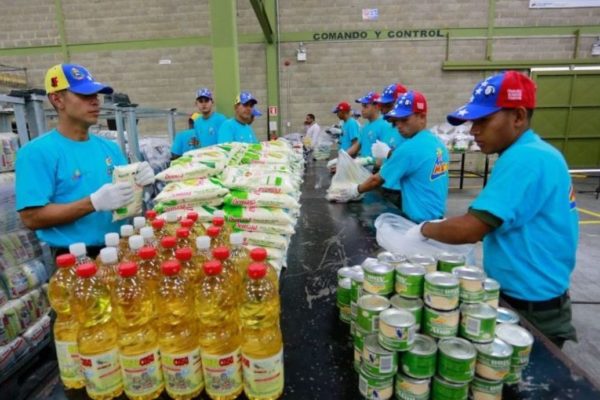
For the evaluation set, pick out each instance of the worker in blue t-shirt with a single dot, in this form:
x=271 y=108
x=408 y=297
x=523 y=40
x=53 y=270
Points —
x=238 y=129
x=526 y=213
x=204 y=129
x=63 y=178
x=374 y=126
x=350 y=129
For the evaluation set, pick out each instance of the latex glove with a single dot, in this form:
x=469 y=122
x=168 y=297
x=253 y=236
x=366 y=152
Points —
x=112 y=196
x=350 y=193
x=144 y=175
x=380 y=150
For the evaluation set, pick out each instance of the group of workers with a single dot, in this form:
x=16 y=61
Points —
x=525 y=215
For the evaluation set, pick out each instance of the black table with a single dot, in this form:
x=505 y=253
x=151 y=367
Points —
x=318 y=350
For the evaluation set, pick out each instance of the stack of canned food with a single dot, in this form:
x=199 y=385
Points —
x=429 y=324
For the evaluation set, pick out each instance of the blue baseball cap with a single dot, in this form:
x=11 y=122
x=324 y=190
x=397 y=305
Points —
x=245 y=97
x=390 y=93
x=75 y=78
x=256 y=112
x=369 y=98
x=509 y=89
x=410 y=103
x=204 y=92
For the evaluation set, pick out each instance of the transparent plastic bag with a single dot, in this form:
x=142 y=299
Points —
x=348 y=173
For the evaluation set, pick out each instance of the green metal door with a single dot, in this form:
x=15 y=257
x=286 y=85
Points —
x=568 y=114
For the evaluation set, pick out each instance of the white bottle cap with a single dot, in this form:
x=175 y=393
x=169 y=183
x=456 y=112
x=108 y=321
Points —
x=171 y=216
x=78 y=249
x=203 y=242
x=219 y=213
x=108 y=255
x=136 y=242
x=126 y=230
x=236 y=239
x=147 y=232
x=111 y=239
x=139 y=223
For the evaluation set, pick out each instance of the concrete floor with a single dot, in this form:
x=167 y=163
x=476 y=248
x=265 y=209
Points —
x=585 y=281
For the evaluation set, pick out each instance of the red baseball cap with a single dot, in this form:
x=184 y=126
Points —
x=343 y=106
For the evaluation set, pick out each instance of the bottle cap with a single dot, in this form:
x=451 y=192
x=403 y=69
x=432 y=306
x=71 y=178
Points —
x=147 y=232
x=183 y=233
x=213 y=231
x=183 y=254
x=257 y=270
x=147 y=253
x=65 y=260
x=86 y=270
x=151 y=215
x=218 y=221
x=202 y=242
x=158 y=224
x=171 y=217
x=127 y=230
x=136 y=242
x=219 y=213
x=186 y=223
x=221 y=253
x=193 y=215
x=171 y=267
x=212 y=267
x=236 y=239
x=111 y=239
x=78 y=249
x=127 y=269
x=108 y=255
x=139 y=223
x=258 y=254
x=168 y=242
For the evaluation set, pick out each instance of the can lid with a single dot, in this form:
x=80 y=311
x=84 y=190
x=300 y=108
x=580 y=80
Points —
x=158 y=223
x=372 y=343
x=236 y=239
x=221 y=253
x=108 y=255
x=424 y=345
x=369 y=261
x=358 y=276
x=193 y=215
x=410 y=269
x=258 y=254
x=218 y=221
x=147 y=253
x=111 y=239
x=498 y=349
x=439 y=278
x=171 y=267
x=357 y=268
x=506 y=316
x=257 y=270
x=86 y=270
x=186 y=223
x=405 y=303
x=345 y=283
x=202 y=242
x=345 y=272
x=171 y=217
x=490 y=285
x=397 y=318
x=126 y=230
x=514 y=335
x=422 y=259
x=136 y=242
x=147 y=232
x=379 y=268
x=389 y=257
x=457 y=348
x=127 y=269
x=479 y=310
x=213 y=231
x=183 y=233
x=400 y=377
x=183 y=254
x=78 y=249
x=451 y=257
x=373 y=302
x=65 y=260
x=168 y=242
x=139 y=223
x=469 y=273
x=151 y=215
x=212 y=267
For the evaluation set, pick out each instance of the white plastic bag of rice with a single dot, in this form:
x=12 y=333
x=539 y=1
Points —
x=191 y=190
x=264 y=228
x=257 y=199
x=126 y=173
x=257 y=215
x=173 y=205
x=189 y=168
x=266 y=184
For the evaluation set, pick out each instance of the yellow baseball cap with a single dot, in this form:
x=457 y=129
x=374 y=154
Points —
x=75 y=78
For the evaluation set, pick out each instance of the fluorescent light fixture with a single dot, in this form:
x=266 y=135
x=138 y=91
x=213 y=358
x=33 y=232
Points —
x=542 y=69
x=588 y=68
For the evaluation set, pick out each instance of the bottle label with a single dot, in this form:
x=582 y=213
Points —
x=102 y=373
x=69 y=364
x=263 y=377
x=223 y=373
x=141 y=373
x=183 y=372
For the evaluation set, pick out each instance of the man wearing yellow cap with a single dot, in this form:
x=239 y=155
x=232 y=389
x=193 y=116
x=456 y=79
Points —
x=238 y=129
x=63 y=178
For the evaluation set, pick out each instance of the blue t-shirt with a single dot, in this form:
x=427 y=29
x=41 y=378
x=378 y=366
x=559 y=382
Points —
x=350 y=131
x=391 y=136
x=370 y=133
x=185 y=141
x=204 y=134
x=532 y=254
x=55 y=169
x=234 y=131
x=420 y=169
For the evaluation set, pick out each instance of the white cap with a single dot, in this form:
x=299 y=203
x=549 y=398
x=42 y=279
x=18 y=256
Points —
x=108 y=255
x=126 y=230
x=111 y=239
x=78 y=249
x=219 y=213
x=203 y=242
x=171 y=216
x=139 y=223
x=236 y=239
x=136 y=242
x=147 y=232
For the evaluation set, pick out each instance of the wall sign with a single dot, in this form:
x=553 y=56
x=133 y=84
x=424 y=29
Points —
x=382 y=34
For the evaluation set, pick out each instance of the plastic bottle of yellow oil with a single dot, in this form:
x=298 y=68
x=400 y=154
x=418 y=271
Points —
x=172 y=223
x=195 y=228
x=168 y=246
x=149 y=271
x=219 y=220
x=216 y=237
x=107 y=268
x=60 y=294
x=112 y=240
x=136 y=242
x=151 y=215
x=97 y=335
x=159 y=232
x=220 y=337
x=259 y=255
x=138 y=223
x=79 y=250
x=262 y=344
x=189 y=269
x=147 y=233
x=178 y=334
x=126 y=232
x=184 y=238
x=138 y=338
x=230 y=271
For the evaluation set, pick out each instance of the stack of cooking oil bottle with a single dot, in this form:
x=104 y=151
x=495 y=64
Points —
x=169 y=305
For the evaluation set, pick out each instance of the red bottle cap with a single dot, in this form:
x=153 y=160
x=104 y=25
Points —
x=193 y=215
x=127 y=269
x=158 y=223
x=168 y=242
x=258 y=254
x=183 y=233
x=221 y=253
x=213 y=231
x=257 y=270
x=212 y=267
x=65 y=260
x=186 y=223
x=171 y=267
x=147 y=253
x=151 y=215
x=86 y=270
x=183 y=254
x=218 y=221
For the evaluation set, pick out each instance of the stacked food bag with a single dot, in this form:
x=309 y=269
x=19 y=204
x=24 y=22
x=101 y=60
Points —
x=9 y=143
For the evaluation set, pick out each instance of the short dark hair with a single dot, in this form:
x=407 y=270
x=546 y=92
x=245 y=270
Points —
x=312 y=116
x=529 y=113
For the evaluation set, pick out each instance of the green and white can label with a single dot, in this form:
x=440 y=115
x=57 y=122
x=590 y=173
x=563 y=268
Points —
x=369 y=308
x=446 y=262
x=483 y=389
x=376 y=360
x=440 y=324
x=514 y=376
x=441 y=291
x=408 y=388
x=375 y=387
x=444 y=390
x=429 y=262
x=343 y=292
x=346 y=314
x=478 y=322
x=359 y=344
x=396 y=329
x=410 y=280
x=415 y=306
x=471 y=284
x=492 y=292
x=379 y=279
x=343 y=273
x=493 y=360
x=141 y=373
x=520 y=339
x=456 y=360
x=420 y=362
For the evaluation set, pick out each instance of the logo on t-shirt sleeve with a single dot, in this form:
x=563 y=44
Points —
x=440 y=168
x=109 y=166
x=572 y=202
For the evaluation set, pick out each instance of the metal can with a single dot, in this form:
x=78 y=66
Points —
x=456 y=360
x=369 y=261
x=359 y=345
x=441 y=291
x=428 y=262
x=420 y=361
x=375 y=387
x=376 y=360
x=506 y=316
x=408 y=388
x=343 y=292
x=396 y=329
x=343 y=273
x=356 y=268
x=478 y=322
x=514 y=376
x=491 y=294
x=369 y=307
x=356 y=291
x=493 y=360
x=446 y=262
x=440 y=324
x=444 y=390
x=415 y=306
x=521 y=341
x=471 y=284
x=483 y=389
x=345 y=314
x=379 y=279
x=393 y=259
x=409 y=280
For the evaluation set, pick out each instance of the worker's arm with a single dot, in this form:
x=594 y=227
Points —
x=467 y=228
x=373 y=182
x=56 y=214
x=354 y=149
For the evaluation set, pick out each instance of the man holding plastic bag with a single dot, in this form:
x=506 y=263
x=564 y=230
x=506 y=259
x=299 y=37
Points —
x=526 y=214
x=419 y=167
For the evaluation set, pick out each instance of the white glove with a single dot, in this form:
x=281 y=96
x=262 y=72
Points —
x=380 y=150
x=144 y=175
x=112 y=196
x=415 y=233
x=350 y=193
